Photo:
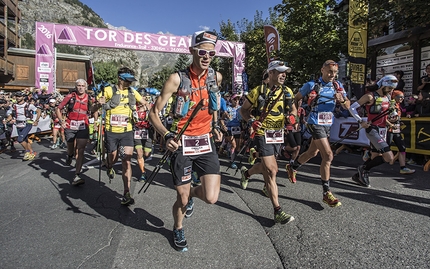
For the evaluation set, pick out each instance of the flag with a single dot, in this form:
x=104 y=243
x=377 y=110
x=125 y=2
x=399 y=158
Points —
x=273 y=42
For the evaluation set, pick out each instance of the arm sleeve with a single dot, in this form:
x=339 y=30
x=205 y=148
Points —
x=354 y=113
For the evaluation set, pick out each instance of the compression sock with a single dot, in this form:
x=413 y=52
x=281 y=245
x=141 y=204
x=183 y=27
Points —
x=326 y=185
x=296 y=165
x=373 y=163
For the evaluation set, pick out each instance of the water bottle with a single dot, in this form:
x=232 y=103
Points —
x=182 y=102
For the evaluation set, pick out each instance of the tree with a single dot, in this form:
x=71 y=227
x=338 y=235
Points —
x=182 y=62
x=158 y=79
x=106 y=72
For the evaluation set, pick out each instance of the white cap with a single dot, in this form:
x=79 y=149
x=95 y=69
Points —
x=52 y=100
x=279 y=66
x=201 y=37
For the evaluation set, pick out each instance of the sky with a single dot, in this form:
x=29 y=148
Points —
x=181 y=18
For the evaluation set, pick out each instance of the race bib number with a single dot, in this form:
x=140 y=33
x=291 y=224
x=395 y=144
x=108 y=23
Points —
x=383 y=133
x=141 y=134
x=118 y=120
x=274 y=137
x=325 y=118
x=77 y=125
x=236 y=130
x=396 y=128
x=196 y=145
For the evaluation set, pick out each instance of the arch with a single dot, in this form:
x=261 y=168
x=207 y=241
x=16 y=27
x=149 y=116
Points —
x=49 y=34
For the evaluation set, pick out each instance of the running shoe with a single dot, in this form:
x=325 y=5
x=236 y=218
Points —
x=54 y=146
x=69 y=159
x=265 y=192
x=356 y=178
x=411 y=162
x=366 y=155
x=282 y=217
x=142 y=177
x=190 y=208
x=252 y=158
x=179 y=240
x=291 y=173
x=233 y=166
x=127 y=200
x=26 y=156
x=63 y=145
x=111 y=173
x=243 y=180
x=12 y=148
x=329 y=199
x=363 y=175
x=407 y=171
x=195 y=179
x=32 y=155
x=77 y=180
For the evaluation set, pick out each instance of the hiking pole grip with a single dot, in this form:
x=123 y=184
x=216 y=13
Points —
x=176 y=139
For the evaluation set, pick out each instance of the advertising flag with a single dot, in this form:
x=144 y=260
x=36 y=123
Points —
x=273 y=42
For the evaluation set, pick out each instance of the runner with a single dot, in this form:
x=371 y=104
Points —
x=272 y=107
x=75 y=126
x=23 y=114
x=119 y=101
x=377 y=104
x=328 y=91
x=195 y=150
x=50 y=109
x=143 y=132
x=232 y=121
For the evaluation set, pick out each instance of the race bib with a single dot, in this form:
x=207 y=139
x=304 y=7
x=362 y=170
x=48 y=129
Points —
x=91 y=120
x=141 y=134
x=57 y=126
x=77 y=125
x=383 y=133
x=274 y=137
x=397 y=129
x=118 y=120
x=20 y=124
x=325 y=118
x=196 y=145
x=236 y=130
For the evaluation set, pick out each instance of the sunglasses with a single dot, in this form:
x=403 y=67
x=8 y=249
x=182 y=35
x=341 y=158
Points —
x=202 y=52
x=331 y=64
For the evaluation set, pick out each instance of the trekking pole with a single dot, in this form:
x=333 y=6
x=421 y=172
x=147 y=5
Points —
x=100 y=144
x=168 y=153
x=386 y=112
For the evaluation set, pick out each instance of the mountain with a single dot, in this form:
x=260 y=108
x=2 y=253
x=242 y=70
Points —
x=74 y=12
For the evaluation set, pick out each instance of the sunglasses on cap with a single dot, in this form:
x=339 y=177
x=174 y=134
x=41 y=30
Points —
x=331 y=64
x=202 y=52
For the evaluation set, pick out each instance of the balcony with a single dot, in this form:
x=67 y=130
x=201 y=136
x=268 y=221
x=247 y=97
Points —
x=12 y=37
x=12 y=9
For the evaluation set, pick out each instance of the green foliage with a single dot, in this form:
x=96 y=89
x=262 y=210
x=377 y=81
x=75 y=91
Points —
x=182 y=62
x=28 y=42
x=158 y=79
x=62 y=21
x=106 y=72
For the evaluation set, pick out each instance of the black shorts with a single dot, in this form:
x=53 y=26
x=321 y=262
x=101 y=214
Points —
x=182 y=166
x=71 y=135
x=114 y=140
x=293 y=139
x=144 y=143
x=318 y=131
x=266 y=149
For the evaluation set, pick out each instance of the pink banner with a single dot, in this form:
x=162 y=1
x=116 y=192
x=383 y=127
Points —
x=110 y=38
x=45 y=56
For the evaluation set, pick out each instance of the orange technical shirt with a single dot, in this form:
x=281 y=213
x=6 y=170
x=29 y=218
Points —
x=202 y=122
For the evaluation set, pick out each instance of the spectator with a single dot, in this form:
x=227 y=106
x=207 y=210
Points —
x=424 y=83
x=422 y=108
x=401 y=84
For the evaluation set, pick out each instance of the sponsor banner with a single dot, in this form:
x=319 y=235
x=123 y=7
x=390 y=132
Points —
x=43 y=126
x=45 y=57
x=415 y=133
x=273 y=42
x=123 y=39
x=347 y=127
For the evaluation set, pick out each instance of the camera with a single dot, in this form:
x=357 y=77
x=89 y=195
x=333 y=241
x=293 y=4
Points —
x=426 y=79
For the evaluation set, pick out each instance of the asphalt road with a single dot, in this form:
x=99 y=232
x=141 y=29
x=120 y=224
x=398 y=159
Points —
x=47 y=223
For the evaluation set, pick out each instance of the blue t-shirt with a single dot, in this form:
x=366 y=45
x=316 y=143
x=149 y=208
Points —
x=233 y=117
x=322 y=112
x=223 y=106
